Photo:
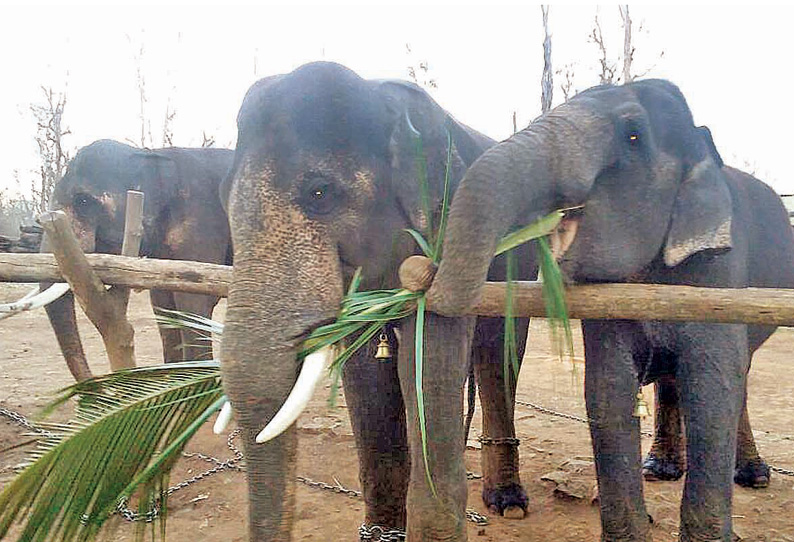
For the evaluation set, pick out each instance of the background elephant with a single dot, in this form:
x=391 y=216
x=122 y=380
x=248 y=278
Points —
x=183 y=220
x=658 y=208
x=324 y=181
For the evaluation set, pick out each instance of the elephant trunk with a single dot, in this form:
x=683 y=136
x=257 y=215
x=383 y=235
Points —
x=512 y=184
x=266 y=322
x=63 y=319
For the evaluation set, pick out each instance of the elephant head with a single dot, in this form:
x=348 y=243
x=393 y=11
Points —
x=93 y=192
x=648 y=181
x=182 y=216
x=324 y=181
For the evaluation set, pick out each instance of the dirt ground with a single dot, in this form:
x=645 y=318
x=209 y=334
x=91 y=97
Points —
x=215 y=508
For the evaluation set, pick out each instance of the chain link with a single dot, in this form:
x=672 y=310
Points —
x=154 y=509
x=22 y=421
x=509 y=441
x=378 y=533
x=476 y=518
x=338 y=488
x=579 y=419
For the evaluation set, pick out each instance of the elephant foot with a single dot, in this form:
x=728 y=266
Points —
x=754 y=474
x=509 y=500
x=666 y=469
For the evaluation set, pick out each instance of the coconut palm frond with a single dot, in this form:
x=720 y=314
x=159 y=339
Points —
x=180 y=319
x=127 y=432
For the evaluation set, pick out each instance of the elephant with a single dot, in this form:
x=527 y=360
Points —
x=657 y=207
x=182 y=219
x=324 y=182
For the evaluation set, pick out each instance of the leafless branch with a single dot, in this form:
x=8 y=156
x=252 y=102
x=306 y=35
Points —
x=546 y=82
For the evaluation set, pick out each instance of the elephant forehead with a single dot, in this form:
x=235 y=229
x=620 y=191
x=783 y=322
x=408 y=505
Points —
x=257 y=207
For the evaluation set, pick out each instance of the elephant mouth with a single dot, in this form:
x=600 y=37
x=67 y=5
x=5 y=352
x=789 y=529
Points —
x=564 y=234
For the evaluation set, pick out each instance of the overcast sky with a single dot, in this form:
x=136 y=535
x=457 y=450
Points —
x=732 y=63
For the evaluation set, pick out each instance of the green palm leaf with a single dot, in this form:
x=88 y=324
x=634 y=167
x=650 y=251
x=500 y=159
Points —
x=128 y=431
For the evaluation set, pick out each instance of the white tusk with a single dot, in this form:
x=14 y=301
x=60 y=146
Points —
x=223 y=418
x=34 y=300
x=314 y=368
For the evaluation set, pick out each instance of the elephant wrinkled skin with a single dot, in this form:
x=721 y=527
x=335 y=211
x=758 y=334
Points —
x=182 y=220
x=325 y=181
x=659 y=207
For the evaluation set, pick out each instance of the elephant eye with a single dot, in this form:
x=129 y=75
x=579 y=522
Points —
x=321 y=196
x=85 y=204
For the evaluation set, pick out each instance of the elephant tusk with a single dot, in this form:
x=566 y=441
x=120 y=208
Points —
x=563 y=236
x=314 y=368
x=224 y=418
x=33 y=300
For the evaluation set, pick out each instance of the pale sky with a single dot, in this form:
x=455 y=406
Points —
x=732 y=63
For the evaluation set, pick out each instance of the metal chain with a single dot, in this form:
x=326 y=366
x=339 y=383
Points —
x=509 y=441
x=338 y=488
x=476 y=517
x=22 y=421
x=579 y=419
x=154 y=511
x=376 y=532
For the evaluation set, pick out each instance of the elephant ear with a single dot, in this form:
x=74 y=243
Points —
x=157 y=175
x=434 y=128
x=702 y=213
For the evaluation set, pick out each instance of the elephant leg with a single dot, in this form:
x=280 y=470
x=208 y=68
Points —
x=502 y=492
x=377 y=413
x=610 y=389
x=436 y=511
x=711 y=381
x=195 y=345
x=751 y=470
x=665 y=460
x=64 y=323
x=171 y=338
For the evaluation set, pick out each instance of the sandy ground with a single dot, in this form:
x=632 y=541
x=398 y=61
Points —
x=215 y=508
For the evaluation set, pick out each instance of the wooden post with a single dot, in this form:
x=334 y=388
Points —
x=131 y=247
x=106 y=308
x=108 y=317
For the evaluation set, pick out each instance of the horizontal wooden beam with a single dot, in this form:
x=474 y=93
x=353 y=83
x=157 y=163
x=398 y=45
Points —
x=597 y=301
x=650 y=302
x=141 y=273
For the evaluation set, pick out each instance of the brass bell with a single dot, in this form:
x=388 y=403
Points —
x=383 y=351
x=641 y=407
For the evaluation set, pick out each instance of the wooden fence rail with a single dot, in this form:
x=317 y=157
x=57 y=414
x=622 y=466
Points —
x=602 y=301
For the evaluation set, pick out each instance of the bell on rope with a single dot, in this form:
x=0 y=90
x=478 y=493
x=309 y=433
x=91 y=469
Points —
x=641 y=407
x=383 y=351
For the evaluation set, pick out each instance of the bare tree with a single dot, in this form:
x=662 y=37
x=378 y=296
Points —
x=419 y=71
x=608 y=69
x=546 y=81
x=207 y=140
x=50 y=132
x=566 y=86
x=146 y=126
x=168 y=131
x=628 y=50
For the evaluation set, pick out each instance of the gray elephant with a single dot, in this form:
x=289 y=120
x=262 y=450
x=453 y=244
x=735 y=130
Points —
x=183 y=220
x=658 y=208
x=324 y=182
